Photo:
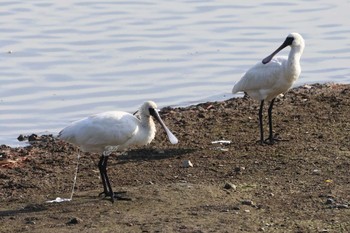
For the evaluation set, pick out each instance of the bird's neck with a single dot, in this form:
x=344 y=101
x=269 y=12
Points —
x=149 y=127
x=294 y=56
x=148 y=123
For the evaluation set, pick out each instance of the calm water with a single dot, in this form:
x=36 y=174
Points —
x=62 y=60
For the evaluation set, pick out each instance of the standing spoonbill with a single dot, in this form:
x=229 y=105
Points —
x=271 y=77
x=110 y=131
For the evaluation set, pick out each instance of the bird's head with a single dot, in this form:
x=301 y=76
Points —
x=148 y=109
x=294 y=40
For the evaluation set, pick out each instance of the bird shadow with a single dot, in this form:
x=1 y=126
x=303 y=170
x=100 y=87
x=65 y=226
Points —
x=151 y=154
x=24 y=210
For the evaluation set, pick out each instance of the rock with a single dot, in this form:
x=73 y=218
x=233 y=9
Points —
x=316 y=172
x=187 y=164
x=74 y=221
x=230 y=186
x=342 y=206
x=323 y=231
x=330 y=201
x=239 y=170
x=32 y=137
x=306 y=86
x=31 y=222
x=247 y=202
x=21 y=138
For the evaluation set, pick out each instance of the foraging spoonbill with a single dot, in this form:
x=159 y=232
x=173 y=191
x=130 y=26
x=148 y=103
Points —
x=271 y=77
x=110 y=131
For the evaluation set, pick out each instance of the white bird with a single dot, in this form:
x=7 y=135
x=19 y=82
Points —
x=271 y=77
x=115 y=130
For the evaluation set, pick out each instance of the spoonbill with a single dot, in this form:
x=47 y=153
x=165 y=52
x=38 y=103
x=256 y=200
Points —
x=115 y=130
x=271 y=77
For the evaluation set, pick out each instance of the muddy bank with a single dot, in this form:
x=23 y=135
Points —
x=300 y=184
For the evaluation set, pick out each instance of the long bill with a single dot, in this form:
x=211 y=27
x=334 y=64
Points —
x=288 y=41
x=170 y=135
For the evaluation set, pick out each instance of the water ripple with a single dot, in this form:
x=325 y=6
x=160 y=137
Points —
x=63 y=60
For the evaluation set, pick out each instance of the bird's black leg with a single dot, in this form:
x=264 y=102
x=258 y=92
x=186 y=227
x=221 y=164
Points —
x=107 y=188
x=261 y=123
x=105 y=180
x=103 y=172
x=271 y=138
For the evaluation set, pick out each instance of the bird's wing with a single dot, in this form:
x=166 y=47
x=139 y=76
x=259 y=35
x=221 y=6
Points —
x=260 y=76
x=104 y=129
x=111 y=128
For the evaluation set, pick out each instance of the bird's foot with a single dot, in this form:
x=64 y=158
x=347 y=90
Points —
x=115 y=196
x=273 y=139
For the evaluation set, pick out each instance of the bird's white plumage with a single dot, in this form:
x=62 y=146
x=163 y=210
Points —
x=116 y=129
x=266 y=81
x=96 y=132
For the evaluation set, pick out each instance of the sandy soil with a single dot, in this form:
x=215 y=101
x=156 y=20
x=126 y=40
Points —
x=300 y=184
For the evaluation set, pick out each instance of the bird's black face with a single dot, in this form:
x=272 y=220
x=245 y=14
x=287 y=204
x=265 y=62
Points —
x=287 y=42
x=153 y=112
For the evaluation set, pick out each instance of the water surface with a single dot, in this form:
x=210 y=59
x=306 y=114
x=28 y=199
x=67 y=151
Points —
x=63 y=60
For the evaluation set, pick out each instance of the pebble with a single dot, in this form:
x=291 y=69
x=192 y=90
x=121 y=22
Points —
x=230 y=186
x=247 y=202
x=330 y=201
x=21 y=138
x=342 y=206
x=74 y=221
x=30 y=222
x=239 y=170
x=316 y=172
x=306 y=86
x=323 y=231
x=32 y=137
x=187 y=164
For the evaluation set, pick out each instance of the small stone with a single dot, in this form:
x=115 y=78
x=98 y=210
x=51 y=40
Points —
x=316 y=172
x=30 y=222
x=187 y=164
x=247 y=202
x=323 y=231
x=247 y=211
x=230 y=186
x=342 y=206
x=330 y=201
x=306 y=86
x=239 y=170
x=21 y=138
x=33 y=137
x=74 y=221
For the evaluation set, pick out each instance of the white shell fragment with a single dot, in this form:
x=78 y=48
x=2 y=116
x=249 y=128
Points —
x=187 y=164
x=58 y=200
x=221 y=142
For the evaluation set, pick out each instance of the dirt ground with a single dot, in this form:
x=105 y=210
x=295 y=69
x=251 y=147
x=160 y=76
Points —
x=300 y=184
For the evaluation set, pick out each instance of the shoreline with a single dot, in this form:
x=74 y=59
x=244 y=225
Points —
x=23 y=138
x=300 y=184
